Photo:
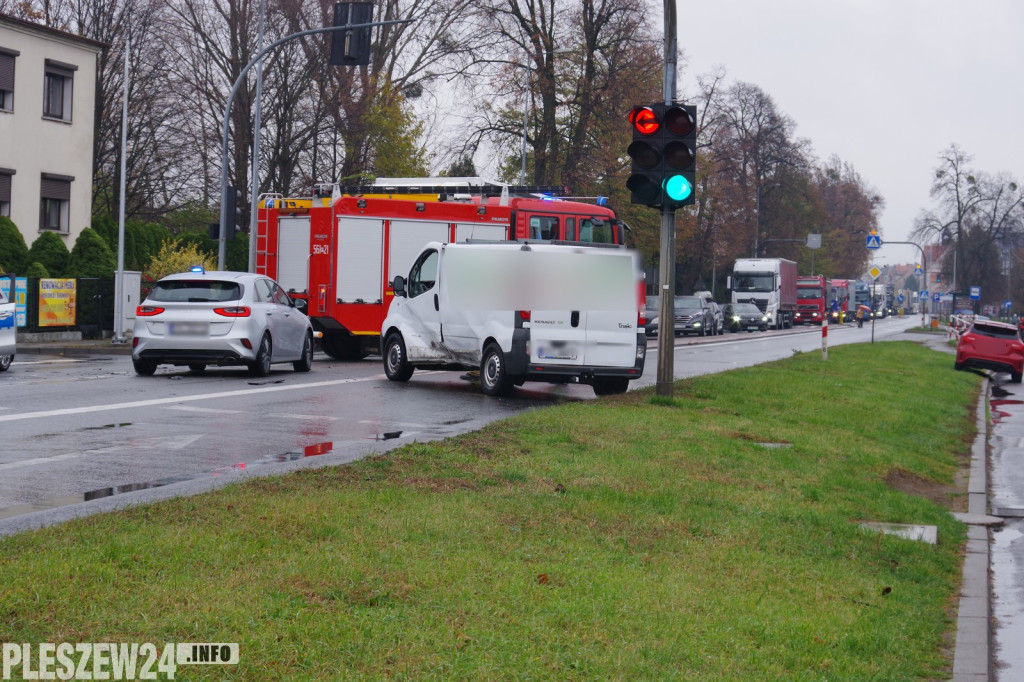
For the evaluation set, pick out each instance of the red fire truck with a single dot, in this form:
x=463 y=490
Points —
x=341 y=249
x=811 y=299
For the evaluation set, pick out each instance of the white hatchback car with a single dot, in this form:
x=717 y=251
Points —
x=221 y=318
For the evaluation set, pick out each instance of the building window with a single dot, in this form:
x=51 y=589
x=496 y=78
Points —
x=57 y=90
x=55 y=202
x=5 y=191
x=7 y=78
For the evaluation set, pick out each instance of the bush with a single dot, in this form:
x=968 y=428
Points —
x=13 y=250
x=91 y=257
x=37 y=271
x=175 y=256
x=50 y=252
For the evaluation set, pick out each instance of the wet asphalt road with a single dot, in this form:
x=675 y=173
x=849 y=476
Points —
x=86 y=434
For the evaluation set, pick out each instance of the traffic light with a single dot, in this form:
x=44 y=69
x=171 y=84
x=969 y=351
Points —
x=351 y=48
x=233 y=213
x=663 y=155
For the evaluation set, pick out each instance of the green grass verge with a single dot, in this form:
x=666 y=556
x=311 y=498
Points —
x=634 y=537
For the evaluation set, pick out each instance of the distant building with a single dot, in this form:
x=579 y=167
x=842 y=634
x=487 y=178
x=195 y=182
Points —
x=47 y=128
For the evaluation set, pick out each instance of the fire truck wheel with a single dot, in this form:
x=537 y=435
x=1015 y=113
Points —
x=396 y=365
x=343 y=348
x=494 y=378
x=305 y=363
x=260 y=367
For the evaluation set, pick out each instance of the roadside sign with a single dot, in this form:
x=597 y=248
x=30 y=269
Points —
x=874 y=241
x=1007 y=303
x=923 y=295
x=900 y=297
x=917 y=269
x=874 y=272
x=975 y=293
x=936 y=296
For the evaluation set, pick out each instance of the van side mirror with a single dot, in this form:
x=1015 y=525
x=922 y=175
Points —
x=399 y=285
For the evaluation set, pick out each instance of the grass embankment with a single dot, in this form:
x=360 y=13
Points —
x=628 y=538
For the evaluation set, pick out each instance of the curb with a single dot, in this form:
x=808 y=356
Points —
x=66 y=349
x=972 y=656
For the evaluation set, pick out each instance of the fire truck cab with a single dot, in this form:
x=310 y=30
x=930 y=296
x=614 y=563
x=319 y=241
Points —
x=341 y=248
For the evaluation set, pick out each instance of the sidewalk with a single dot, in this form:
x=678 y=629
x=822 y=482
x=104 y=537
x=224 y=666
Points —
x=40 y=344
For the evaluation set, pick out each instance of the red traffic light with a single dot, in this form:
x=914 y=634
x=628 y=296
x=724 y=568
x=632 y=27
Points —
x=644 y=120
x=678 y=121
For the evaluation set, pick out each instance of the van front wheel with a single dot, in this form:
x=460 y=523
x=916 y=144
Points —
x=396 y=364
x=494 y=378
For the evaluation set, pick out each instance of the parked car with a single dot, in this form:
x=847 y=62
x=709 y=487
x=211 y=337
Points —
x=740 y=316
x=221 y=318
x=694 y=315
x=991 y=345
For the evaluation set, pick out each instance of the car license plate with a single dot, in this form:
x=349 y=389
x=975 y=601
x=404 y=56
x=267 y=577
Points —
x=188 y=328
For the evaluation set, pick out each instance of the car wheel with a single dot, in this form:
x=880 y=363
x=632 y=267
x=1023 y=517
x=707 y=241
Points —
x=1015 y=377
x=958 y=366
x=260 y=367
x=197 y=367
x=493 y=375
x=396 y=364
x=5 y=362
x=144 y=368
x=610 y=386
x=305 y=363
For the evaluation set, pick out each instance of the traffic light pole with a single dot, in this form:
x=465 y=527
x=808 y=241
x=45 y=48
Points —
x=667 y=286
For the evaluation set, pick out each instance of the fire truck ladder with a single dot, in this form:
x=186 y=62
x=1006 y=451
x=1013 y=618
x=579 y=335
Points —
x=487 y=190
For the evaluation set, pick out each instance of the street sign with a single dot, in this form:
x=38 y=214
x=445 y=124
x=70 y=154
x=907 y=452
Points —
x=1007 y=303
x=924 y=295
x=936 y=296
x=900 y=297
x=874 y=241
x=975 y=293
x=874 y=272
x=917 y=269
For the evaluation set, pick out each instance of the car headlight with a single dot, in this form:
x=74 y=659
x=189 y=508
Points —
x=735 y=318
x=764 y=318
x=696 y=324
x=654 y=320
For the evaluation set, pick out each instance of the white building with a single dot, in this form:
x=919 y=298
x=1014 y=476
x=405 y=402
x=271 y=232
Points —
x=47 y=126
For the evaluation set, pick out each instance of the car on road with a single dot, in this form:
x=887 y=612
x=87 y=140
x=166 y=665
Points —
x=694 y=315
x=8 y=324
x=991 y=345
x=744 y=316
x=202 y=318
x=652 y=309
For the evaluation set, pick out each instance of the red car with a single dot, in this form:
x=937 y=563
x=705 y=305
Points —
x=992 y=345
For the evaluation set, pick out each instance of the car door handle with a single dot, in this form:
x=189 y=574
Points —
x=437 y=305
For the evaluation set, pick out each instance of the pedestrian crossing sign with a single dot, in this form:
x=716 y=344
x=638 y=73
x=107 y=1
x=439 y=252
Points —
x=874 y=241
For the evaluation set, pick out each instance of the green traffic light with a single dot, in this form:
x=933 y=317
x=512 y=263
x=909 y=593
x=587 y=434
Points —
x=678 y=188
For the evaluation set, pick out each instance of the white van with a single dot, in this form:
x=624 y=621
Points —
x=519 y=312
x=8 y=322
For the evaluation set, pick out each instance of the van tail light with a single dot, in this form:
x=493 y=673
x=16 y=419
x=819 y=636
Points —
x=641 y=304
x=524 y=315
x=1016 y=346
x=147 y=310
x=237 y=311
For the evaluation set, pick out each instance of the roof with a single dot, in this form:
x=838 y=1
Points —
x=52 y=32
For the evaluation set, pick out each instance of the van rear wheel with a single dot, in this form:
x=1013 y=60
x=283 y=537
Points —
x=610 y=386
x=494 y=378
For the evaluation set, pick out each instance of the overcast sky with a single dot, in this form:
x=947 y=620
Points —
x=886 y=85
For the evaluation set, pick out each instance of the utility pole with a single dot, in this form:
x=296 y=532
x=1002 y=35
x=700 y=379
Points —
x=667 y=286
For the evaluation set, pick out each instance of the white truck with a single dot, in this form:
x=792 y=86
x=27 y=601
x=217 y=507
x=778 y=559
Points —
x=519 y=312
x=768 y=283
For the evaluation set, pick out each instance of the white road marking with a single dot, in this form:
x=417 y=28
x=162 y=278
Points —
x=304 y=416
x=210 y=410
x=44 y=414
x=40 y=460
x=171 y=442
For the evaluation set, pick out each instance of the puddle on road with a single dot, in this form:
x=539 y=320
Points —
x=997 y=414
x=67 y=500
